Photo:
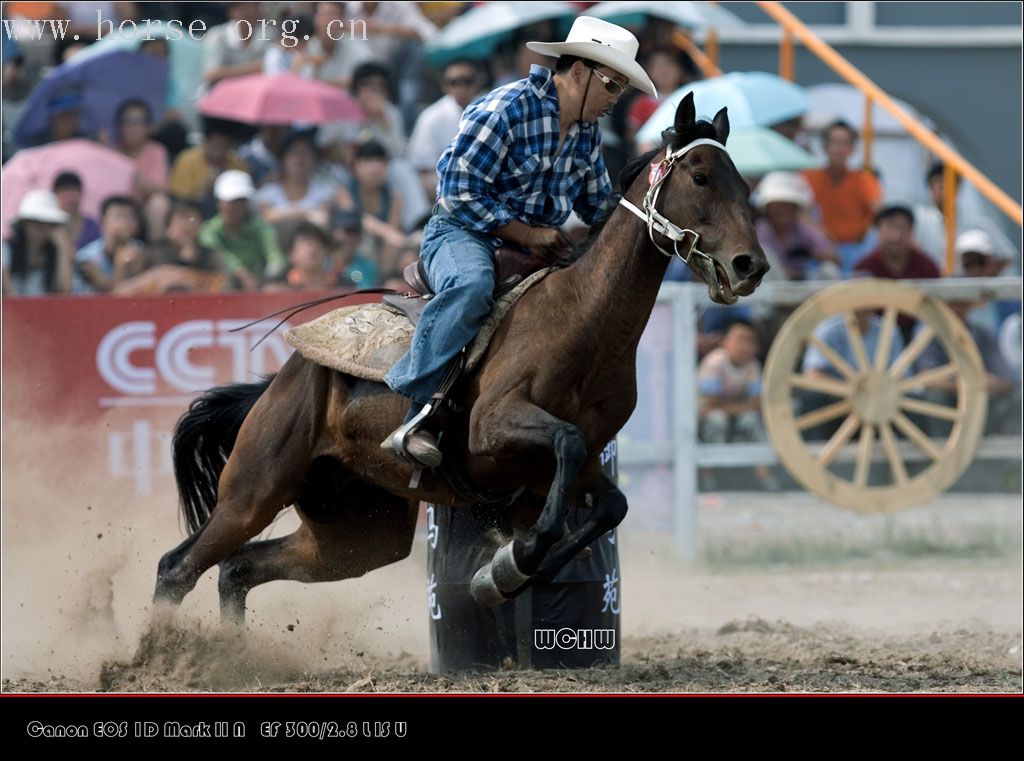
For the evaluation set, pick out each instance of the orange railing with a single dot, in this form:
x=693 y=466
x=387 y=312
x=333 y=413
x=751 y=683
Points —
x=955 y=164
x=707 y=62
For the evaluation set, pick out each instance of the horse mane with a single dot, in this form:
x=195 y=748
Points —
x=633 y=168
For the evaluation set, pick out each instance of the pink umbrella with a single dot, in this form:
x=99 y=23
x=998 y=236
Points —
x=104 y=172
x=279 y=99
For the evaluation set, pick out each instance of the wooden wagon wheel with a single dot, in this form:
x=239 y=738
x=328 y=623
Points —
x=873 y=398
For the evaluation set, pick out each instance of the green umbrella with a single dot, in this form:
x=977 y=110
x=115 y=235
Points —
x=478 y=31
x=698 y=16
x=756 y=151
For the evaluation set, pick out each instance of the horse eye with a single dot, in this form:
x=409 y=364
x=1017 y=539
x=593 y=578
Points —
x=700 y=179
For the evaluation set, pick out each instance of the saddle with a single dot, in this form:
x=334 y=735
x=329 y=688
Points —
x=511 y=267
x=365 y=341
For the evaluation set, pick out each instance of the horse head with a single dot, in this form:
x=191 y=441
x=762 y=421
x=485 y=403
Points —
x=703 y=214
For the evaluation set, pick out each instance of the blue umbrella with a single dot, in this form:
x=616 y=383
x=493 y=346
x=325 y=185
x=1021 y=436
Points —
x=685 y=14
x=185 y=55
x=754 y=99
x=102 y=82
x=478 y=31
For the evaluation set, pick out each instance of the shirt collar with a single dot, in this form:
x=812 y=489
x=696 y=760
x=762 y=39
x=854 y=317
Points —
x=542 y=80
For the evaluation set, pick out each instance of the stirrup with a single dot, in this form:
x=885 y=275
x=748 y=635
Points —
x=397 y=441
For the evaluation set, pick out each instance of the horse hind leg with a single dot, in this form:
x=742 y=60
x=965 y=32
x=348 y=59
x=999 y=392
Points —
x=263 y=475
x=368 y=530
x=239 y=516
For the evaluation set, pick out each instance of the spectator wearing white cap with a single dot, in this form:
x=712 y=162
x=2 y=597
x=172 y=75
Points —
x=802 y=250
x=976 y=256
x=246 y=244
x=37 y=259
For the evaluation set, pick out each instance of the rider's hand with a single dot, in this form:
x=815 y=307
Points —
x=548 y=243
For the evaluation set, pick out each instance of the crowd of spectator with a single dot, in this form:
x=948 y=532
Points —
x=361 y=191
x=220 y=205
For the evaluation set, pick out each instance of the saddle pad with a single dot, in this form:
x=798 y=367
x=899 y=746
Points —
x=367 y=339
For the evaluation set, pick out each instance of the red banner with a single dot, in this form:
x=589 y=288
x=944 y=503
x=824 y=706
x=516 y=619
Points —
x=118 y=372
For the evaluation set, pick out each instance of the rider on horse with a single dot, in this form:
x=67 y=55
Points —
x=526 y=155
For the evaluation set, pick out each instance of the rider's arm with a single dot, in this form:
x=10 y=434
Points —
x=470 y=167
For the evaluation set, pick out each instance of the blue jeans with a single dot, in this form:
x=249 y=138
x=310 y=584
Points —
x=460 y=268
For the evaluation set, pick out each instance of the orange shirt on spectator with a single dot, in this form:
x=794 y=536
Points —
x=191 y=173
x=847 y=209
x=37 y=11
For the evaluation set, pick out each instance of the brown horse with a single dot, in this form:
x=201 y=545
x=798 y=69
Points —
x=557 y=383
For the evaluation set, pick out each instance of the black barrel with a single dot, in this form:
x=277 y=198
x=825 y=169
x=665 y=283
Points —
x=571 y=622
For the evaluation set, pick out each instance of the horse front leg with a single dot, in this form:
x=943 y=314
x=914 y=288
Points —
x=518 y=430
x=609 y=511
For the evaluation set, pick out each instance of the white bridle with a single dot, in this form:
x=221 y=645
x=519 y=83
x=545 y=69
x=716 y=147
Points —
x=656 y=222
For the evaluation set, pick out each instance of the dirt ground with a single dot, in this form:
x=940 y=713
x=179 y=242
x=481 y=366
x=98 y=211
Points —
x=789 y=595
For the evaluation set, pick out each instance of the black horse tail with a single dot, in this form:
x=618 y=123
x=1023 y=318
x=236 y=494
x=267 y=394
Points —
x=203 y=439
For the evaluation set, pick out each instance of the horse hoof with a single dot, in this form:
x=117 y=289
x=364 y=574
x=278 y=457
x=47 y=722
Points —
x=484 y=590
x=505 y=572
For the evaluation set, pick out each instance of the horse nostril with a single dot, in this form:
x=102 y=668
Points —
x=744 y=266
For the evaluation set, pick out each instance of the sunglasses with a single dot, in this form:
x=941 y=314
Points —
x=610 y=85
x=460 y=81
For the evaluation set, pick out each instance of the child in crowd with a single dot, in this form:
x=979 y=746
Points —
x=308 y=256
x=116 y=256
x=730 y=394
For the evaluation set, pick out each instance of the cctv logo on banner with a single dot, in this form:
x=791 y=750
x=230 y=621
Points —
x=183 y=358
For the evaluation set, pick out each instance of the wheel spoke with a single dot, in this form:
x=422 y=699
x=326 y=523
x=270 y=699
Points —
x=884 y=347
x=930 y=408
x=915 y=434
x=899 y=471
x=823 y=415
x=856 y=342
x=833 y=357
x=826 y=386
x=913 y=349
x=839 y=438
x=929 y=377
x=864 y=447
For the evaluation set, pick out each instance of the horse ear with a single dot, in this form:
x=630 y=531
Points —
x=686 y=115
x=721 y=125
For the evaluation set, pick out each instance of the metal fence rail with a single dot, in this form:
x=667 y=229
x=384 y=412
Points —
x=686 y=453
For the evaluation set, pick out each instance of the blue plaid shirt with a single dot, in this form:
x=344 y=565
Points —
x=505 y=163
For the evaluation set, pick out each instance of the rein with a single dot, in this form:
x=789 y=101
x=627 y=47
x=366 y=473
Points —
x=657 y=222
x=296 y=308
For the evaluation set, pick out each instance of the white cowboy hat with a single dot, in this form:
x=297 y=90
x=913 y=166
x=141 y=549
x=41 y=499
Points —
x=604 y=43
x=41 y=206
x=784 y=187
